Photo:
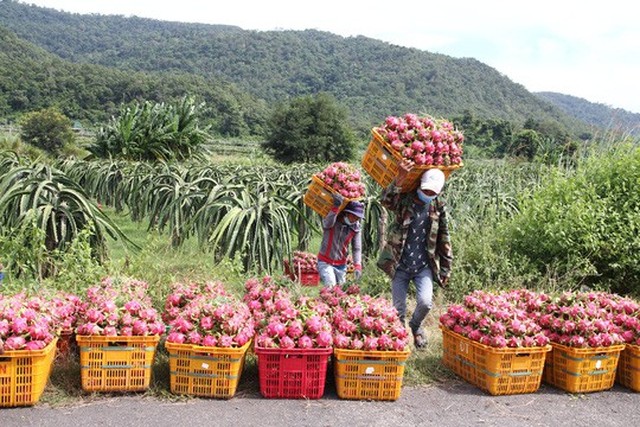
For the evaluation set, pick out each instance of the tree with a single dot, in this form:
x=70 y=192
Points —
x=525 y=144
x=47 y=129
x=310 y=129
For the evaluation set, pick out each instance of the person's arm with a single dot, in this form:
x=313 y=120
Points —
x=443 y=249
x=330 y=219
x=391 y=195
x=356 y=248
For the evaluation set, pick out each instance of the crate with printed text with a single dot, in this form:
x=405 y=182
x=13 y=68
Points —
x=498 y=371
x=205 y=371
x=582 y=370
x=369 y=375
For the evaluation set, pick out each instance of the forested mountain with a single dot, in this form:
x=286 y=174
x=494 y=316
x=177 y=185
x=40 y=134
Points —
x=372 y=79
x=598 y=115
x=31 y=79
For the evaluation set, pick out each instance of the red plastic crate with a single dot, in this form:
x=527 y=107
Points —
x=305 y=278
x=292 y=373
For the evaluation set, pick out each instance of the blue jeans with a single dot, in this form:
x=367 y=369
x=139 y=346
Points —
x=330 y=275
x=423 y=280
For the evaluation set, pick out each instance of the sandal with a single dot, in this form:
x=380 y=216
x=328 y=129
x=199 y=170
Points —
x=419 y=340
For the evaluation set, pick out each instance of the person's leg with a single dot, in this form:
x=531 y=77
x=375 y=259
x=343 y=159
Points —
x=399 y=288
x=341 y=274
x=424 y=302
x=327 y=273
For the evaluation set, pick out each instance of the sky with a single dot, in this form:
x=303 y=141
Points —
x=584 y=48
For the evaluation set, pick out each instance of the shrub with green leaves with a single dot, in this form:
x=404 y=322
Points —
x=47 y=129
x=586 y=224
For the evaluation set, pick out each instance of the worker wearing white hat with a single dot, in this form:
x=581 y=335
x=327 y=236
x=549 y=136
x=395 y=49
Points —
x=418 y=246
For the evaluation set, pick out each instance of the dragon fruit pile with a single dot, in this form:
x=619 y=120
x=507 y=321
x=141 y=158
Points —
x=283 y=321
x=25 y=323
x=424 y=140
x=119 y=307
x=523 y=318
x=343 y=178
x=205 y=314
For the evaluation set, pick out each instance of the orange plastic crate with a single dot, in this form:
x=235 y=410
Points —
x=628 y=372
x=498 y=371
x=381 y=162
x=24 y=375
x=369 y=375
x=205 y=371
x=292 y=373
x=319 y=197
x=581 y=370
x=116 y=363
x=305 y=278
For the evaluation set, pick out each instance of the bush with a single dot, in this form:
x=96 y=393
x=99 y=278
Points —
x=47 y=129
x=586 y=224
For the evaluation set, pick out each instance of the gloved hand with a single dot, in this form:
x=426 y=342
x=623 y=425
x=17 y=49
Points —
x=357 y=274
x=337 y=199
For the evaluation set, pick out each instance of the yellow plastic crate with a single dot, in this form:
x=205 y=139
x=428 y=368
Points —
x=369 y=375
x=116 y=363
x=24 y=375
x=381 y=162
x=205 y=371
x=498 y=371
x=319 y=197
x=628 y=372
x=581 y=370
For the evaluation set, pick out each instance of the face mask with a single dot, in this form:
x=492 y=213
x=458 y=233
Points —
x=347 y=221
x=425 y=199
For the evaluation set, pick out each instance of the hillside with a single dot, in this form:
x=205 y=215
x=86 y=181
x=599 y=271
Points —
x=32 y=78
x=598 y=115
x=369 y=77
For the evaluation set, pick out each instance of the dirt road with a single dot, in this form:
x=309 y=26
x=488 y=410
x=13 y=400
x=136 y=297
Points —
x=453 y=404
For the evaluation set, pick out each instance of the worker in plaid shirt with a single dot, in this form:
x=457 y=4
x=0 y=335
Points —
x=418 y=246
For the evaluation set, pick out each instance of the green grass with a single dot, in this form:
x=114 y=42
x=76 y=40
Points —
x=160 y=265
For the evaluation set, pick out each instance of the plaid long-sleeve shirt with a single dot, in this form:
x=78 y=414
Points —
x=439 y=253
